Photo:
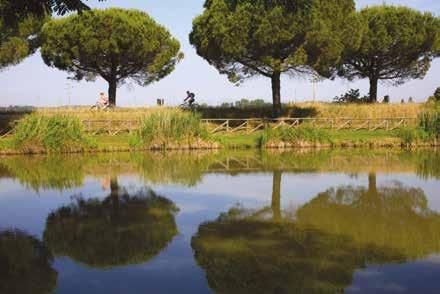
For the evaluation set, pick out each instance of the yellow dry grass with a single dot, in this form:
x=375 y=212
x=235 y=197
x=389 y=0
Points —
x=362 y=111
x=323 y=110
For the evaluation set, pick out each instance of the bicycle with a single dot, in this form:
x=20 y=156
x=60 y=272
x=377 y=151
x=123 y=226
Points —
x=98 y=106
x=191 y=107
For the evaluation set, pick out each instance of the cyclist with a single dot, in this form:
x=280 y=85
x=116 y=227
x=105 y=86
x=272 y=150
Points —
x=190 y=98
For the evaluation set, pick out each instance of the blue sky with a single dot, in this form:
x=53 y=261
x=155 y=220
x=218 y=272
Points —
x=33 y=83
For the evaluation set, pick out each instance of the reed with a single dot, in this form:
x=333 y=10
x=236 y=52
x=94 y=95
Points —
x=54 y=134
x=304 y=134
x=429 y=120
x=166 y=127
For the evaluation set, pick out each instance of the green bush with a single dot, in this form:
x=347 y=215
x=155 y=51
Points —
x=304 y=133
x=352 y=96
x=166 y=127
x=58 y=133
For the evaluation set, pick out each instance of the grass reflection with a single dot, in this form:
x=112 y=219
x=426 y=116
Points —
x=188 y=168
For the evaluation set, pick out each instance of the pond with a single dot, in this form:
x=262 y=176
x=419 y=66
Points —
x=354 y=221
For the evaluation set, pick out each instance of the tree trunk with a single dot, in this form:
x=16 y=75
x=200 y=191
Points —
x=372 y=183
x=276 y=94
x=114 y=192
x=373 y=89
x=276 y=196
x=112 y=92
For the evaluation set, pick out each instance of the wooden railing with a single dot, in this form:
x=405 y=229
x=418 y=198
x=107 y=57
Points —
x=115 y=127
x=255 y=124
x=110 y=127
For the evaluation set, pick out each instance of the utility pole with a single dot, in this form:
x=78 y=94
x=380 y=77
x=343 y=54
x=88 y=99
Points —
x=314 y=81
x=68 y=88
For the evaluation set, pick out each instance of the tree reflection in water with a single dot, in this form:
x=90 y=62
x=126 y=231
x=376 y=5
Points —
x=25 y=265
x=318 y=249
x=120 y=230
x=395 y=220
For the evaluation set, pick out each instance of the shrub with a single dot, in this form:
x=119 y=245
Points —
x=58 y=133
x=169 y=126
x=305 y=133
x=352 y=96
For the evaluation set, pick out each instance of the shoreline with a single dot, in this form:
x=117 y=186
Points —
x=216 y=147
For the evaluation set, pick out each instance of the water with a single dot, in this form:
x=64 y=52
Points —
x=355 y=221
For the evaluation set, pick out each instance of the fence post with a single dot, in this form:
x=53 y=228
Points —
x=227 y=126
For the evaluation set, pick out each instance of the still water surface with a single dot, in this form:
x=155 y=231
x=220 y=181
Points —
x=355 y=221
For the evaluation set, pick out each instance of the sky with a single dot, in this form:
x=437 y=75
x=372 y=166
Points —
x=33 y=83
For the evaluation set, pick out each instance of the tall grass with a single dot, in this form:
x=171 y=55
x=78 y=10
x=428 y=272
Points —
x=429 y=120
x=364 y=111
x=304 y=134
x=318 y=110
x=53 y=134
x=167 y=127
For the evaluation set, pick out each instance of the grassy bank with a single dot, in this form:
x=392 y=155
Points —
x=340 y=139
x=50 y=134
x=61 y=131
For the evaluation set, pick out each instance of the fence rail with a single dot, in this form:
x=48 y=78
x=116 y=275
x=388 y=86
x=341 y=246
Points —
x=251 y=125
x=255 y=124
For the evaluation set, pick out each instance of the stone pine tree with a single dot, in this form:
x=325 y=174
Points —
x=21 y=21
x=248 y=38
x=115 y=44
x=398 y=44
x=18 y=38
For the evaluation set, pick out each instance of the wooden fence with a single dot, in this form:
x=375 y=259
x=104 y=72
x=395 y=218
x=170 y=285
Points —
x=255 y=124
x=115 y=127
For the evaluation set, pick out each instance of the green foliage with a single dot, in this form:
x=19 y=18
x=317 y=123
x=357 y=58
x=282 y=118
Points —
x=18 y=38
x=246 y=38
x=437 y=94
x=115 y=44
x=398 y=44
x=26 y=264
x=352 y=96
x=40 y=8
x=245 y=103
x=166 y=127
x=59 y=133
x=302 y=134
